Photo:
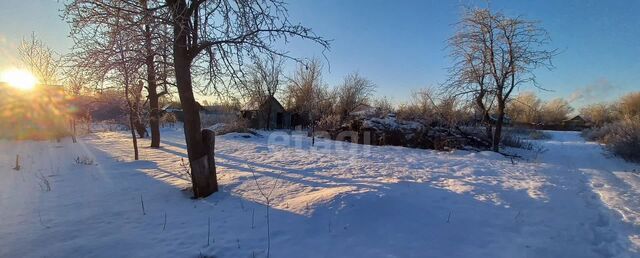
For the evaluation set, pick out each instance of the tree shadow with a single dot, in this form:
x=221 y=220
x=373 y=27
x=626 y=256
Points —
x=406 y=218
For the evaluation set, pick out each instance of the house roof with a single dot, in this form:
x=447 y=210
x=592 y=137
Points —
x=255 y=105
x=576 y=118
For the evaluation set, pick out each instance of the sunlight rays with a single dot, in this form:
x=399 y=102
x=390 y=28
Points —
x=19 y=79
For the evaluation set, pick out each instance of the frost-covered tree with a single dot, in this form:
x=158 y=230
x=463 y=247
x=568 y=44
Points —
x=556 y=110
x=493 y=55
x=355 y=91
x=525 y=108
x=217 y=37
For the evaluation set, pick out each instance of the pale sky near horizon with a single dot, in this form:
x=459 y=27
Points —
x=400 y=45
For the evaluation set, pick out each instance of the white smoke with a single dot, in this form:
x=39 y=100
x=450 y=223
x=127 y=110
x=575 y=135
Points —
x=598 y=91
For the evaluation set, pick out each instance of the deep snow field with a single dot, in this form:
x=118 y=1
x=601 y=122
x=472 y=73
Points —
x=334 y=199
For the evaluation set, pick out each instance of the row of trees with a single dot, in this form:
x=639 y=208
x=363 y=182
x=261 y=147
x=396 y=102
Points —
x=192 y=45
x=527 y=108
x=617 y=125
x=627 y=107
x=305 y=92
x=227 y=47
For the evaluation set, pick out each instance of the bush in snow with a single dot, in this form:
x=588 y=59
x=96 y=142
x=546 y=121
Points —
x=621 y=137
x=388 y=130
x=84 y=160
x=527 y=133
x=168 y=119
x=514 y=140
x=538 y=135
x=238 y=125
x=328 y=123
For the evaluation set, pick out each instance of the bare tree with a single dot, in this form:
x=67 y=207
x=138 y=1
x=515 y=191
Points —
x=555 y=111
x=219 y=35
x=505 y=50
x=355 y=91
x=420 y=108
x=629 y=105
x=107 y=47
x=468 y=75
x=43 y=62
x=46 y=65
x=92 y=23
x=383 y=105
x=76 y=84
x=262 y=82
x=156 y=54
x=125 y=70
x=525 y=108
x=306 y=94
x=599 y=114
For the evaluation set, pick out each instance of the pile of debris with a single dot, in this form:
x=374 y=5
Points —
x=388 y=130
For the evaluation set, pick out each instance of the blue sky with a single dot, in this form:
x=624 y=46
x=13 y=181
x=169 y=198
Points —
x=400 y=45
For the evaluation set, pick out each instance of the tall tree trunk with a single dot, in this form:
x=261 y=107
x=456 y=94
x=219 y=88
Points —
x=133 y=134
x=138 y=125
x=152 y=84
x=89 y=121
x=132 y=122
x=154 y=114
x=486 y=119
x=73 y=130
x=497 y=133
x=202 y=165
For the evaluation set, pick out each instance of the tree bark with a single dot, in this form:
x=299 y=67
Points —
x=138 y=125
x=73 y=130
x=486 y=119
x=152 y=84
x=497 y=133
x=154 y=113
x=133 y=134
x=199 y=161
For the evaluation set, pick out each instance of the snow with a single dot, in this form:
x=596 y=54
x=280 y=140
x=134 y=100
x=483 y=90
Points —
x=217 y=127
x=334 y=199
x=389 y=122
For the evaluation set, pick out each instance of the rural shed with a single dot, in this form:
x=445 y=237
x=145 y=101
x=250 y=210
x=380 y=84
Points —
x=575 y=123
x=267 y=114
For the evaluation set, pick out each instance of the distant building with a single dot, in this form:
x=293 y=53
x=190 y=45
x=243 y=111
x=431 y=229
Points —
x=208 y=114
x=268 y=114
x=575 y=123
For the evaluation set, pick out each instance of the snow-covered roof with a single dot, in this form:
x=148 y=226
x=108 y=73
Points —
x=390 y=122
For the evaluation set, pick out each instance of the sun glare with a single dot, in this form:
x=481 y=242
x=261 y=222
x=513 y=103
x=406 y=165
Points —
x=19 y=79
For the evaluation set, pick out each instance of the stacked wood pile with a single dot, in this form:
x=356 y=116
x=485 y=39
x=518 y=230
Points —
x=388 y=130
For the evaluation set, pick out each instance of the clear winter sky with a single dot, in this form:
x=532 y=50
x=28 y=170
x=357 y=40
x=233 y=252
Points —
x=400 y=45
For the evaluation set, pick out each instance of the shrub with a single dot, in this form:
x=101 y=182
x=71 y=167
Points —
x=527 y=133
x=513 y=140
x=539 y=135
x=329 y=122
x=168 y=119
x=622 y=137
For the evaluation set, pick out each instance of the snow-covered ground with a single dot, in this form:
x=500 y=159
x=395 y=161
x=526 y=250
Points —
x=331 y=200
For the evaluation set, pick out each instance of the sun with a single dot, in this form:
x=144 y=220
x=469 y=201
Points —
x=19 y=79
